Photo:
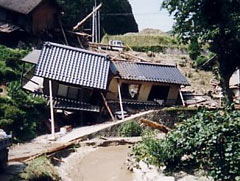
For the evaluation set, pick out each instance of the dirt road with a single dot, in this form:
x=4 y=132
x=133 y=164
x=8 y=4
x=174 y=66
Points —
x=102 y=164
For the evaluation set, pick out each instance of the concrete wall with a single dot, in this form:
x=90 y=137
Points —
x=145 y=88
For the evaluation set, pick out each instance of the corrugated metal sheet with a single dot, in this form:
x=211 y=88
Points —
x=148 y=72
x=32 y=57
x=73 y=65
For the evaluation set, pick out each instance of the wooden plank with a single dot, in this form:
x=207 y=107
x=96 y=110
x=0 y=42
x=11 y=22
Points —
x=80 y=33
x=155 y=125
x=108 y=108
x=75 y=28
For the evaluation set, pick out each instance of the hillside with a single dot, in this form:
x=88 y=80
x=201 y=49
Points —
x=147 y=40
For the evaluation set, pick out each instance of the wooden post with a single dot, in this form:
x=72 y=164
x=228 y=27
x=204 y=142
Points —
x=108 y=108
x=51 y=109
x=98 y=26
x=93 y=27
x=181 y=96
x=120 y=100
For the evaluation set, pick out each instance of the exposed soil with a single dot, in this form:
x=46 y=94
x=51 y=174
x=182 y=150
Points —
x=102 y=164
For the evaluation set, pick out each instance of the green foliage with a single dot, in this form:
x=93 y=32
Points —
x=201 y=60
x=75 y=10
x=40 y=169
x=10 y=66
x=209 y=140
x=130 y=129
x=21 y=113
x=194 y=49
x=214 y=22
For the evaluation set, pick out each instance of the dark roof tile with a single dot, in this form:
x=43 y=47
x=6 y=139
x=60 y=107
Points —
x=73 y=65
x=20 y=6
x=148 y=72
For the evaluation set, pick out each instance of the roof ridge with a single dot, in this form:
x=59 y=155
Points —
x=48 y=43
x=148 y=63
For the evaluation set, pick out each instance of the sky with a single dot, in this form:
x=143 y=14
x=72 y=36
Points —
x=148 y=15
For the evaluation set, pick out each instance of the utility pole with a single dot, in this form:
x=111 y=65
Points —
x=96 y=24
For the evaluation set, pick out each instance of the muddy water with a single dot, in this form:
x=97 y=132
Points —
x=102 y=164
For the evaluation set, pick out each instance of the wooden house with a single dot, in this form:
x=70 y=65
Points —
x=72 y=80
x=32 y=16
x=78 y=76
x=144 y=84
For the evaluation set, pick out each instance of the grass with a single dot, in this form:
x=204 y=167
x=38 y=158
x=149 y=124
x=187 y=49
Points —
x=145 y=42
x=40 y=169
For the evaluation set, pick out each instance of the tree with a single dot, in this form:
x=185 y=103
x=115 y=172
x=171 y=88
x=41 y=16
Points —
x=216 y=22
x=116 y=15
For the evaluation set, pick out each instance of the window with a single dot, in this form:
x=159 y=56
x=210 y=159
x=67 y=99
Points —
x=130 y=91
x=73 y=92
x=62 y=90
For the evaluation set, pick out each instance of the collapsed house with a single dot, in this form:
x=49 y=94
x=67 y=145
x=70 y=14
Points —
x=74 y=79
x=144 y=84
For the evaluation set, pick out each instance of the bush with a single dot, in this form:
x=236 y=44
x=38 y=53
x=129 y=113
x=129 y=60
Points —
x=209 y=140
x=201 y=60
x=10 y=74
x=22 y=114
x=194 y=49
x=130 y=129
x=40 y=169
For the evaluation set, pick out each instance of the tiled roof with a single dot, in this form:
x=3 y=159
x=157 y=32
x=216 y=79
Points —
x=73 y=65
x=148 y=72
x=20 y=6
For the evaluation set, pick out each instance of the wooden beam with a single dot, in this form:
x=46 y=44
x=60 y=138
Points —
x=120 y=100
x=108 y=108
x=75 y=28
x=80 y=33
x=155 y=125
x=51 y=109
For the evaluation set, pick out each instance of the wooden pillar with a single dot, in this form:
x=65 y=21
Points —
x=182 y=99
x=120 y=99
x=51 y=109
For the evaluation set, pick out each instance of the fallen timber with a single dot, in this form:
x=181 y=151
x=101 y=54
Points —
x=155 y=125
